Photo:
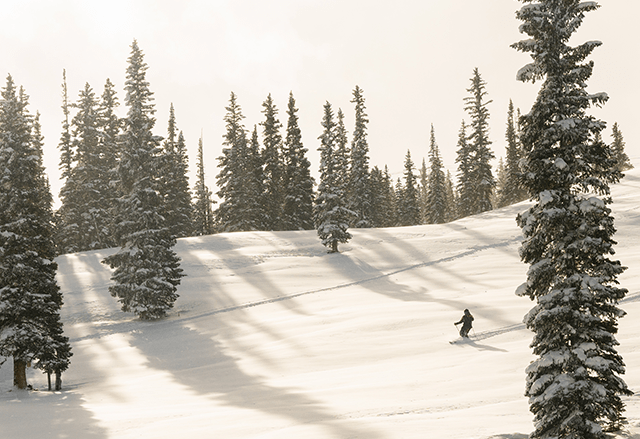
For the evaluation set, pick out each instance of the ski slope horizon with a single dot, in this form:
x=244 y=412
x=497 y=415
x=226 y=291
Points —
x=273 y=337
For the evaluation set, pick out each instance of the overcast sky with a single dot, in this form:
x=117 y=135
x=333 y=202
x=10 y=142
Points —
x=413 y=59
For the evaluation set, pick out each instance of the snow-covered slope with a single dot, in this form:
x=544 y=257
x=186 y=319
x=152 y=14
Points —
x=274 y=338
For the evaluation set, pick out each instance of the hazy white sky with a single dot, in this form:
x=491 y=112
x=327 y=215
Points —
x=413 y=59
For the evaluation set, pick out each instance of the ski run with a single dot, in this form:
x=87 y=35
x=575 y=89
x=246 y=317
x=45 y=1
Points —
x=272 y=337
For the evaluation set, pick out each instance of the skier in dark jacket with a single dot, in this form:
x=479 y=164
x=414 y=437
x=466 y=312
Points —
x=466 y=320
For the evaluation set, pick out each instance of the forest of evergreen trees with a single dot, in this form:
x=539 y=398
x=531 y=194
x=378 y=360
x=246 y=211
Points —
x=126 y=186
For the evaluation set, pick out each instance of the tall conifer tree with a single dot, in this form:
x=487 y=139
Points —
x=298 y=182
x=203 y=204
x=359 y=190
x=274 y=172
x=66 y=151
x=408 y=208
x=465 y=187
x=178 y=209
x=30 y=298
x=436 y=195
x=147 y=270
x=574 y=385
x=331 y=215
x=85 y=215
x=480 y=154
x=512 y=191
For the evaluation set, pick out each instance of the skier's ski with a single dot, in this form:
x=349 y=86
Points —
x=460 y=340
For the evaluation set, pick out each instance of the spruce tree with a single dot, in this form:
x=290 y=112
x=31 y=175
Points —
x=512 y=191
x=203 y=205
x=480 y=155
x=452 y=199
x=408 y=207
x=436 y=206
x=331 y=215
x=30 y=298
x=359 y=190
x=147 y=270
x=423 y=193
x=85 y=216
x=574 y=385
x=178 y=209
x=465 y=187
x=242 y=205
x=66 y=151
x=273 y=197
x=109 y=126
x=298 y=182
x=617 y=148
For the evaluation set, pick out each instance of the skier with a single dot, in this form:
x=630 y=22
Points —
x=466 y=320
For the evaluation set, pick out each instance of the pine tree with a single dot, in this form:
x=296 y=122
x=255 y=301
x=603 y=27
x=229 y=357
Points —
x=298 y=182
x=66 y=151
x=480 y=155
x=408 y=208
x=617 y=148
x=252 y=203
x=359 y=190
x=436 y=194
x=423 y=193
x=147 y=270
x=30 y=298
x=452 y=199
x=85 y=216
x=109 y=126
x=574 y=385
x=273 y=198
x=202 y=210
x=177 y=207
x=501 y=183
x=512 y=191
x=331 y=215
x=242 y=207
x=465 y=187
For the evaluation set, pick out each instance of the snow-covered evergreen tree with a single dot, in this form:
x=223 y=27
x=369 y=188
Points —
x=66 y=150
x=241 y=207
x=178 y=209
x=331 y=215
x=85 y=214
x=408 y=208
x=423 y=192
x=359 y=190
x=452 y=199
x=203 y=217
x=511 y=190
x=436 y=206
x=147 y=270
x=465 y=186
x=274 y=172
x=298 y=182
x=617 y=148
x=574 y=385
x=30 y=299
x=480 y=155
x=110 y=125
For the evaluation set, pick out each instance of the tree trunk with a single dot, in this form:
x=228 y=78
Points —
x=334 y=247
x=58 y=380
x=19 y=373
x=49 y=380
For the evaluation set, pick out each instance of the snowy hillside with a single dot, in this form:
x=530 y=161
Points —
x=274 y=338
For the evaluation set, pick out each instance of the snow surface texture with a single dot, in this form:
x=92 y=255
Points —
x=274 y=338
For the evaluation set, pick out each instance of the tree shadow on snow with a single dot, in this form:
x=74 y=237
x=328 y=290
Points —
x=44 y=414
x=201 y=363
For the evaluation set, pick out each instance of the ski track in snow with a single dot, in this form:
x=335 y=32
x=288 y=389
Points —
x=129 y=325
